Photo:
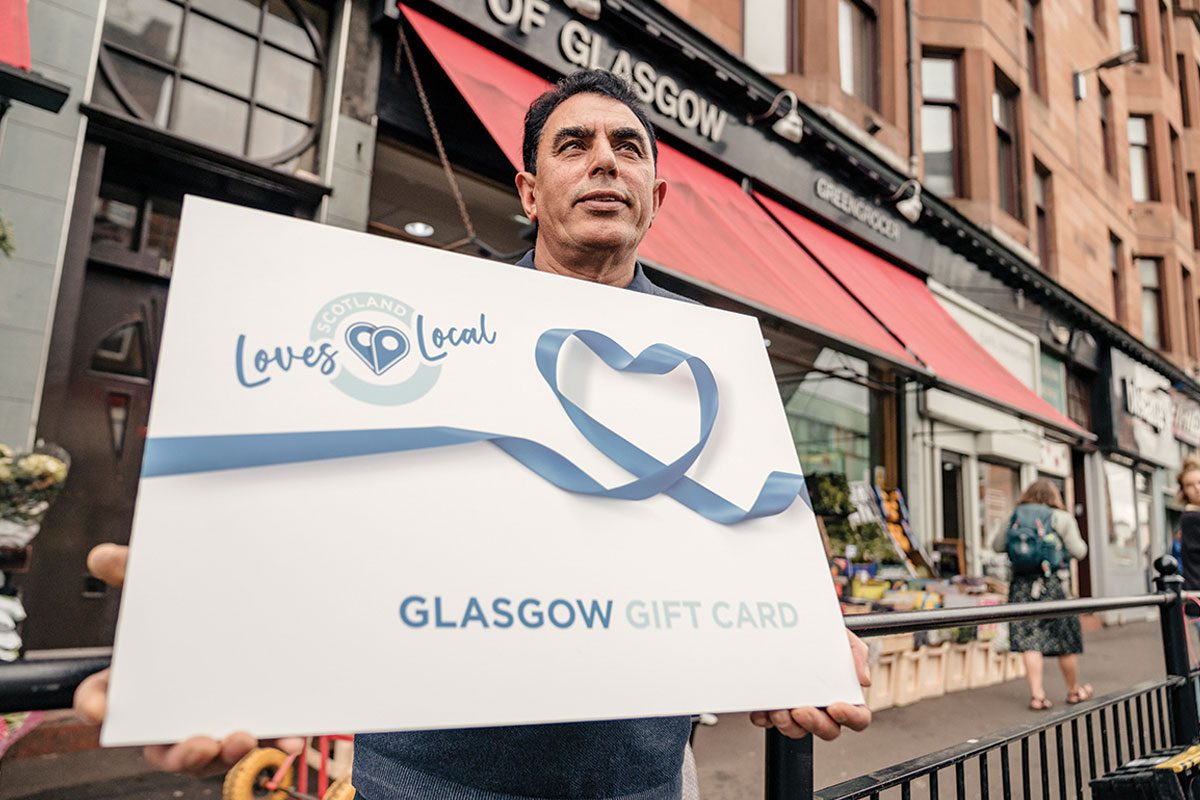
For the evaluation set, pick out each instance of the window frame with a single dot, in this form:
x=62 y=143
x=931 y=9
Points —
x=1116 y=249
x=1160 y=307
x=1031 y=12
x=1152 y=189
x=1010 y=184
x=958 y=171
x=869 y=11
x=1177 y=166
x=1106 y=130
x=1139 y=35
x=1043 y=193
x=1164 y=36
x=1185 y=103
x=110 y=73
x=1189 y=311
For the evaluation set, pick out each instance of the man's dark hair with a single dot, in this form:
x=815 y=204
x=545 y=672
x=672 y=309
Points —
x=587 y=81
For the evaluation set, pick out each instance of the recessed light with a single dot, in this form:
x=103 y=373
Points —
x=422 y=230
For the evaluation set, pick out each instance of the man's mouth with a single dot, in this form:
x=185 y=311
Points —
x=603 y=200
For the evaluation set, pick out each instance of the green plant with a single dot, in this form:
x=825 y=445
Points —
x=7 y=245
x=868 y=539
x=830 y=492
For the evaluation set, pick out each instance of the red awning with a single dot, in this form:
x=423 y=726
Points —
x=903 y=303
x=709 y=231
x=14 y=33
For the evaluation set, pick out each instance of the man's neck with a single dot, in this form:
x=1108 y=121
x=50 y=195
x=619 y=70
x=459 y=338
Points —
x=598 y=268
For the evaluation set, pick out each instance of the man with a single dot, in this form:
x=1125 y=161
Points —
x=591 y=186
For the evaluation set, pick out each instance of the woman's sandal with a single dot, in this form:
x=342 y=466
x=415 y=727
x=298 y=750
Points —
x=1040 y=704
x=1078 y=695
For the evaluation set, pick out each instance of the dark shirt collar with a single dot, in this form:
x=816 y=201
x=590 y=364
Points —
x=640 y=282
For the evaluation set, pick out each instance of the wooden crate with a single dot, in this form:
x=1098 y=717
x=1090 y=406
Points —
x=958 y=672
x=905 y=687
x=879 y=694
x=977 y=665
x=1014 y=666
x=896 y=643
x=931 y=671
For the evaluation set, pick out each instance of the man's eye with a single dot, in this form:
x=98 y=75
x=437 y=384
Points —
x=632 y=147
x=570 y=145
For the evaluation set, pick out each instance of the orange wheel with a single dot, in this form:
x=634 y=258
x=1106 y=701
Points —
x=340 y=790
x=247 y=780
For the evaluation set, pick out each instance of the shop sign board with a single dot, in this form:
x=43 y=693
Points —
x=1056 y=458
x=860 y=209
x=1187 y=418
x=462 y=478
x=1143 y=412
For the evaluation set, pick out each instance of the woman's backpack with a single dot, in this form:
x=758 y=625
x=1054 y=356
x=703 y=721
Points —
x=1033 y=546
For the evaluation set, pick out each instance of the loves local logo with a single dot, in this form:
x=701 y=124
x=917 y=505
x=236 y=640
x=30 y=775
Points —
x=394 y=355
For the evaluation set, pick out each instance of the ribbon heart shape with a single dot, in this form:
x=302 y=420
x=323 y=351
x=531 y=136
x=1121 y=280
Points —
x=181 y=455
x=380 y=347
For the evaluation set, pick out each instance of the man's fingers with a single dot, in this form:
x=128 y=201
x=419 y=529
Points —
x=91 y=697
x=236 y=745
x=816 y=721
x=785 y=723
x=856 y=718
x=194 y=756
x=861 y=659
x=290 y=744
x=760 y=719
x=107 y=562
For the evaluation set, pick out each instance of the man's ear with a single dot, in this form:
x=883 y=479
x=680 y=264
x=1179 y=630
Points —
x=659 y=192
x=527 y=189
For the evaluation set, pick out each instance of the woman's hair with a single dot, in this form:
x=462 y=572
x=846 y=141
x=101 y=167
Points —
x=1190 y=464
x=1044 y=492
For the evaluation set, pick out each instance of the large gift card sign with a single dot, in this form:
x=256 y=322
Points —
x=389 y=487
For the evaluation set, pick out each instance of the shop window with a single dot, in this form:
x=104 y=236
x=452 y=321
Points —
x=858 y=50
x=122 y=351
x=411 y=200
x=1079 y=400
x=1116 y=265
x=135 y=228
x=1042 y=198
x=1053 y=381
x=1142 y=181
x=1129 y=26
x=1106 y=131
x=999 y=488
x=1122 y=512
x=1008 y=150
x=1033 y=22
x=243 y=76
x=828 y=408
x=941 y=135
x=1150 y=274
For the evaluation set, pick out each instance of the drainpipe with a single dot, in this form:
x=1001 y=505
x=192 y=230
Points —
x=911 y=46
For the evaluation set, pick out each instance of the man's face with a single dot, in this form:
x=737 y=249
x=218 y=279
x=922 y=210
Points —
x=595 y=187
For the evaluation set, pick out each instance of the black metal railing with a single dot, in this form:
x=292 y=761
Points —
x=1054 y=759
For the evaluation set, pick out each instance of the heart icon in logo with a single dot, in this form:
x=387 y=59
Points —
x=380 y=347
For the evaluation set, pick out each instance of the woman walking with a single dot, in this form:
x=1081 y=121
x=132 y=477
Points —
x=1189 y=525
x=1040 y=539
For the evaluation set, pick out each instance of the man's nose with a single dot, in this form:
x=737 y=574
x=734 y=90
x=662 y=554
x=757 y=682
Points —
x=604 y=158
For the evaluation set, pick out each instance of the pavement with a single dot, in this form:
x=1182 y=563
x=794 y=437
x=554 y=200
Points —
x=729 y=755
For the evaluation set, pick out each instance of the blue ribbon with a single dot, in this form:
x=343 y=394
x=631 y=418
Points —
x=180 y=455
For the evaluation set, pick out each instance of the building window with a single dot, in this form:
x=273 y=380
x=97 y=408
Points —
x=1008 y=154
x=1116 y=266
x=1130 y=26
x=1189 y=313
x=243 y=77
x=1185 y=105
x=1042 y=199
x=940 y=133
x=1032 y=12
x=1193 y=210
x=1164 y=34
x=1141 y=160
x=1177 y=171
x=1106 y=131
x=1150 y=273
x=858 y=50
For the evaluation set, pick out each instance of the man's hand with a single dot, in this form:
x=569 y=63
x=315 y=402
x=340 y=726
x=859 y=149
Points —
x=826 y=723
x=199 y=756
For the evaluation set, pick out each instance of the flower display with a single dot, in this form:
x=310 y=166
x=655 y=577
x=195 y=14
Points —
x=29 y=483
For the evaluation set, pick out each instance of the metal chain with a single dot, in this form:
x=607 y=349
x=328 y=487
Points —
x=437 y=137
